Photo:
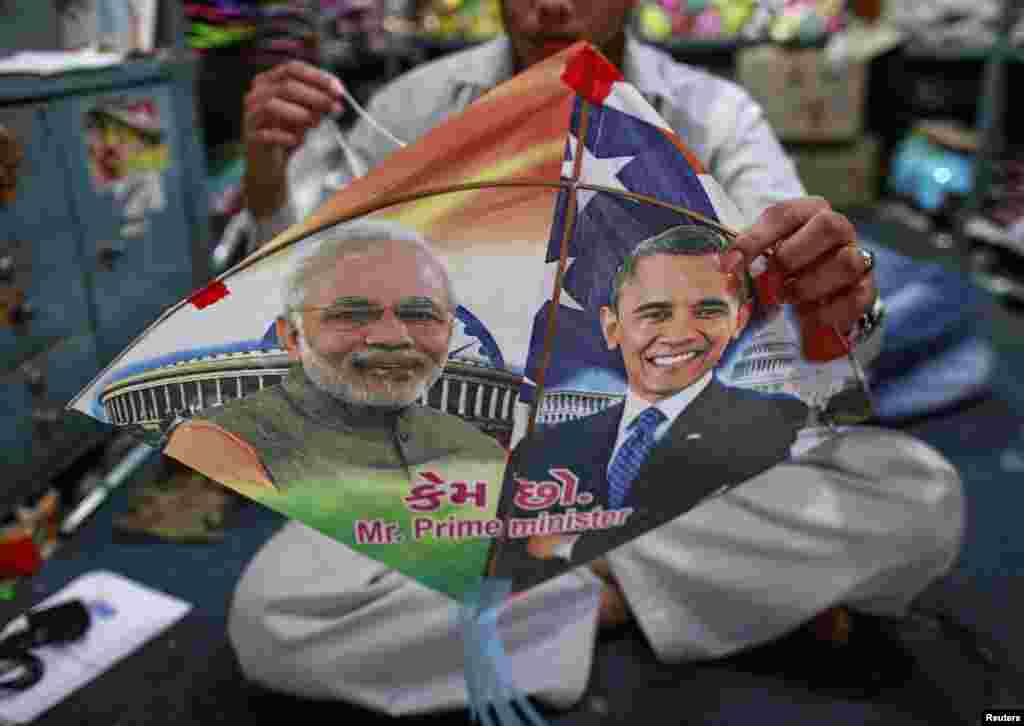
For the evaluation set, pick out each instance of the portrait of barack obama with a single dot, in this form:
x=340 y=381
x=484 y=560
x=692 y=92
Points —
x=679 y=435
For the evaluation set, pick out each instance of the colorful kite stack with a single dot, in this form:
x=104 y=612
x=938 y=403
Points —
x=780 y=21
x=287 y=28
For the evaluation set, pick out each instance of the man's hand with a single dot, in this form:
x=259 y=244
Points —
x=602 y=569
x=542 y=546
x=614 y=608
x=282 y=104
x=828 y=279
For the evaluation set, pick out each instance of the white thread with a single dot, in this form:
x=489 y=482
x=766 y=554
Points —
x=370 y=119
x=356 y=164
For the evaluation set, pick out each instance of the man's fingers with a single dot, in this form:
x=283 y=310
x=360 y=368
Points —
x=602 y=569
x=281 y=115
x=614 y=609
x=829 y=275
x=276 y=137
x=775 y=224
x=305 y=74
x=288 y=100
x=823 y=232
x=815 y=249
x=542 y=546
x=842 y=311
x=309 y=97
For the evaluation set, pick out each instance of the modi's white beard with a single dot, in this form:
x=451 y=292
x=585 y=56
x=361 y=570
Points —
x=335 y=382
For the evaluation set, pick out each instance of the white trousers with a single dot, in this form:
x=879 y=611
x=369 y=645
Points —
x=867 y=519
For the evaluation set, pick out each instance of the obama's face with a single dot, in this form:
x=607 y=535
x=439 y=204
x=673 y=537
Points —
x=675 y=316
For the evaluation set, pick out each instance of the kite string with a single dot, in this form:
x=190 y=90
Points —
x=365 y=115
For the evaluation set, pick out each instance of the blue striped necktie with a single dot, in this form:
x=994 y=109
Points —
x=631 y=455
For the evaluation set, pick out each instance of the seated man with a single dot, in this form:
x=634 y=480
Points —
x=368 y=319
x=866 y=519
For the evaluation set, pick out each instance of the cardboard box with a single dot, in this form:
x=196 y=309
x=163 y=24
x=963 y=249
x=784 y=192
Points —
x=847 y=175
x=804 y=97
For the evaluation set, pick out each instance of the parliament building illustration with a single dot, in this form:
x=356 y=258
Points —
x=153 y=399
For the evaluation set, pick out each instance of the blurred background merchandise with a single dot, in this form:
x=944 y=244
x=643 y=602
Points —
x=900 y=113
x=778 y=21
x=471 y=20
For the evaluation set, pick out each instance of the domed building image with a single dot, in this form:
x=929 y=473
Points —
x=585 y=391
x=565 y=405
x=154 y=399
x=472 y=386
x=769 y=361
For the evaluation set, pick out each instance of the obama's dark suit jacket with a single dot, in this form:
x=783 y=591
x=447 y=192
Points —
x=725 y=436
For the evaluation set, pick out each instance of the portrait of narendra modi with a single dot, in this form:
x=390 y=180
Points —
x=367 y=320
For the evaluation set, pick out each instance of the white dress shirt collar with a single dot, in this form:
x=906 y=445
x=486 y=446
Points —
x=671 y=407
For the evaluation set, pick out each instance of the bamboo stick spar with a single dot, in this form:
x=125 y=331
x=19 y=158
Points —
x=380 y=203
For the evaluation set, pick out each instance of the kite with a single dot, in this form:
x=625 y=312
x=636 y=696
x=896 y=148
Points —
x=532 y=199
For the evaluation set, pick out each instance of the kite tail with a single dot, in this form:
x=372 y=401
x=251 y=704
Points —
x=487 y=667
